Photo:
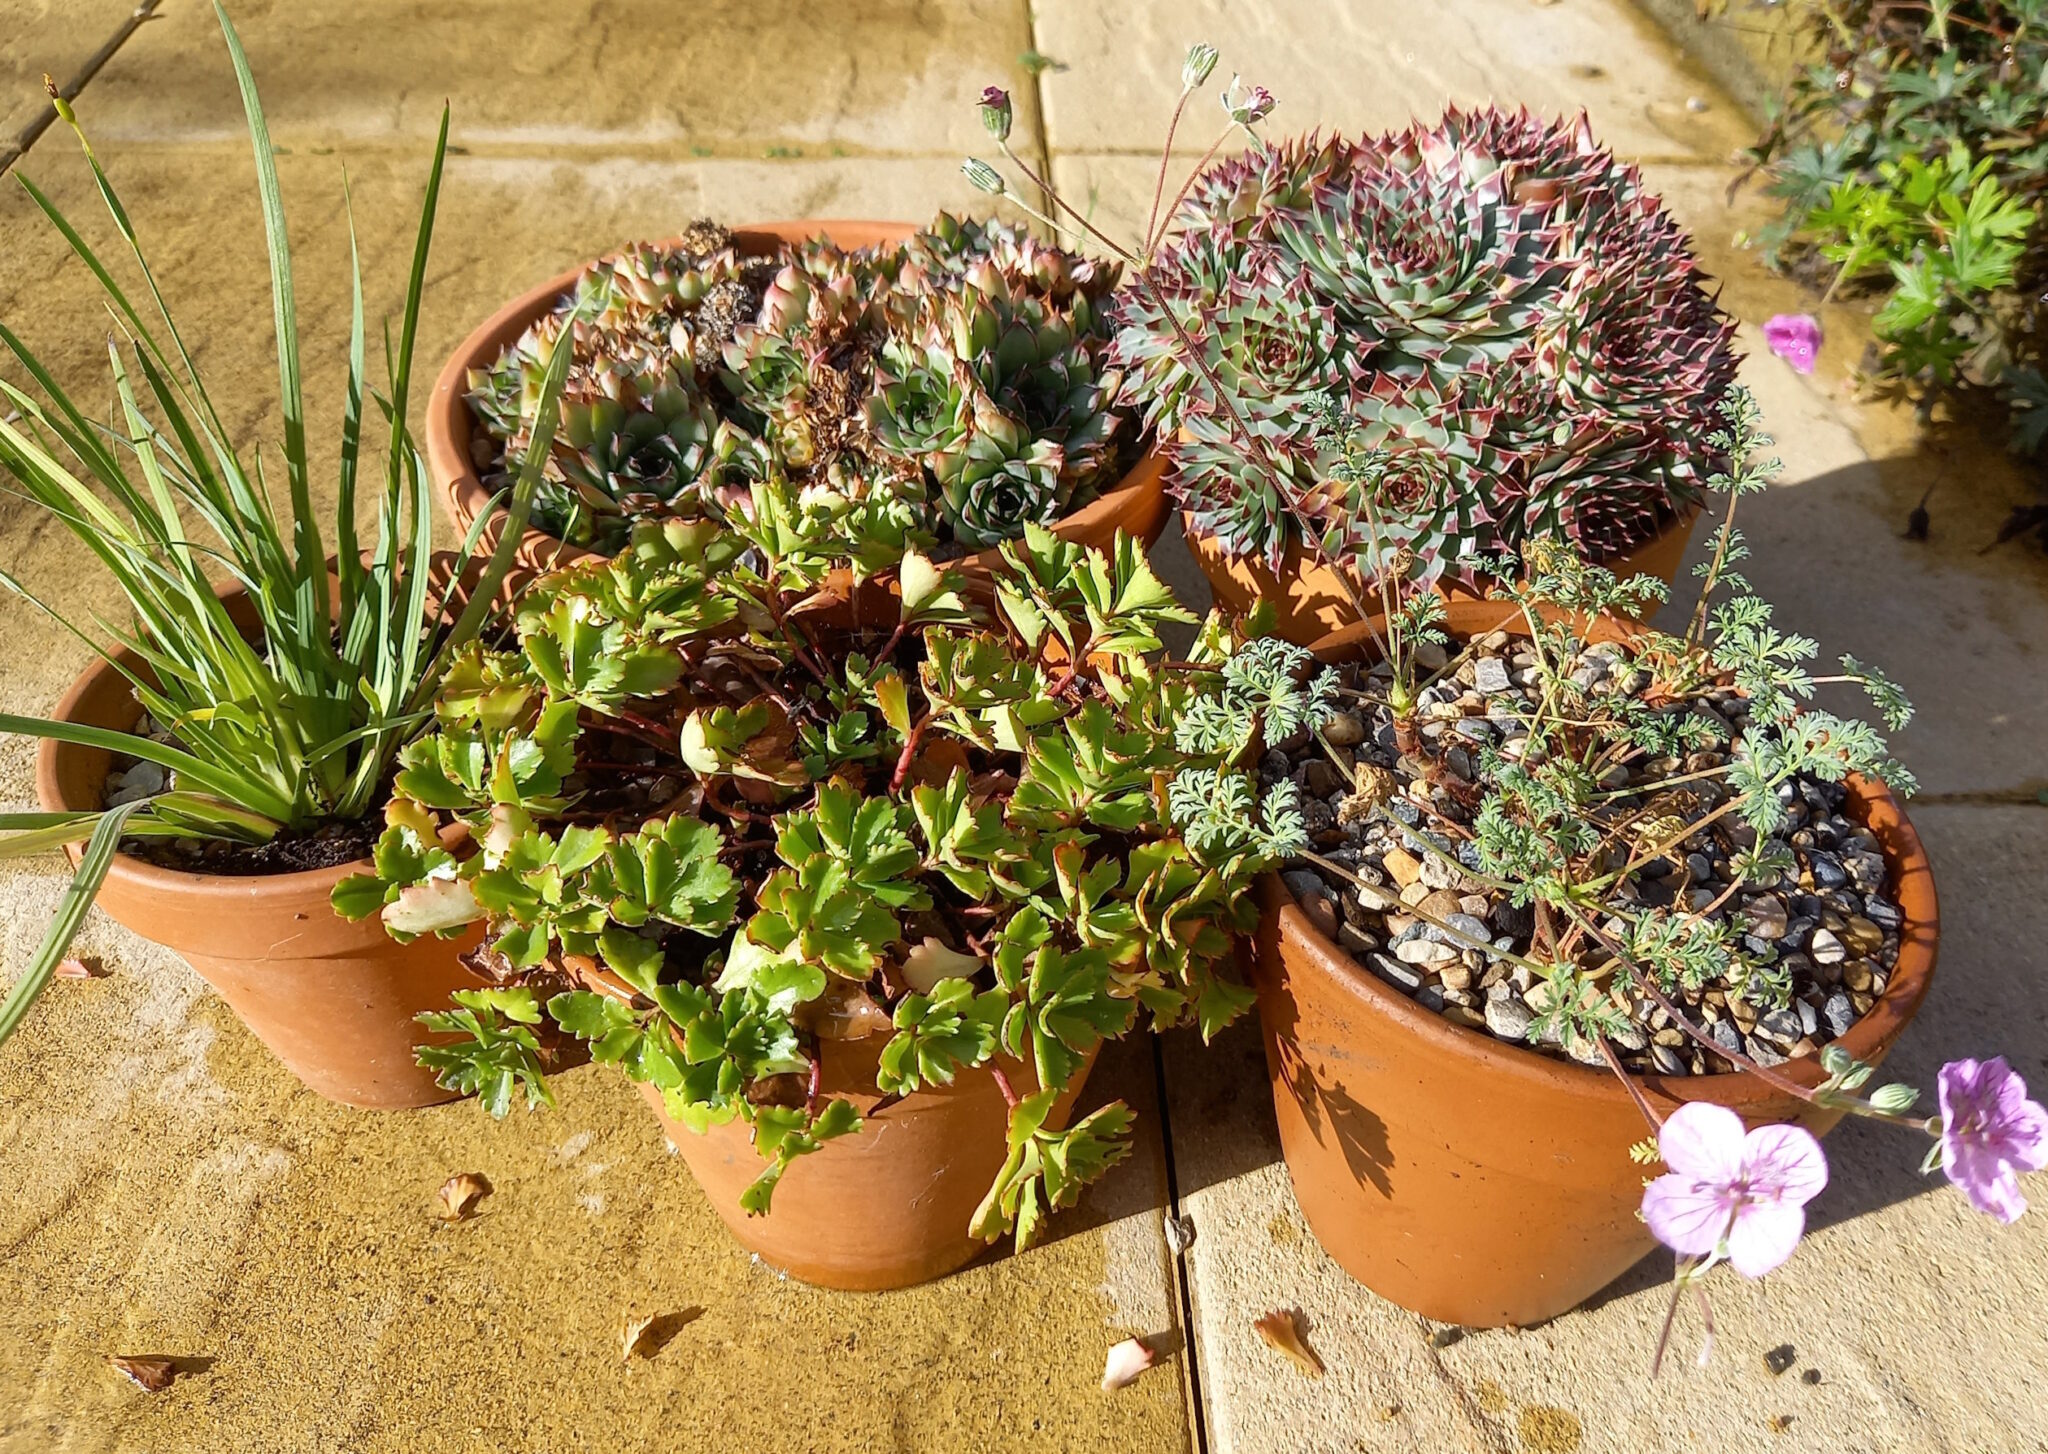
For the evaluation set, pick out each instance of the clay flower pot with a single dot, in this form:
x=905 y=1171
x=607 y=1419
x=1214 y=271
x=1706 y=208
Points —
x=1311 y=601
x=1137 y=505
x=333 y=1000
x=885 y=1207
x=1471 y=1180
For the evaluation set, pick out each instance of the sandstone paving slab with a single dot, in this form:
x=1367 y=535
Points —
x=607 y=77
x=167 y=1189
x=47 y=37
x=1371 y=65
x=1913 y=1322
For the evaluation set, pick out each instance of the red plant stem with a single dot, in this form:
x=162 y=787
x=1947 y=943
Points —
x=647 y=724
x=895 y=639
x=1635 y=1091
x=1165 y=160
x=1003 y=1084
x=1187 y=184
x=816 y=1082
x=909 y=754
x=1684 y=1021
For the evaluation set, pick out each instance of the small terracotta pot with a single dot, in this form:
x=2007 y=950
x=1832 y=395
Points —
x=1312 y=603
x=887 y=1206
x=1137 y=505
x=1476 y=1182
x=333 y=1000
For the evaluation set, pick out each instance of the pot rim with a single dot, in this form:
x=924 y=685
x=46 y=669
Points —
x=139 y=874
x=1681 y=520
x=450 y=425
x=1870 y=800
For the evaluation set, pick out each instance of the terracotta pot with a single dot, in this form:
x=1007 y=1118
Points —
x=887 y=1206
x=1137 y=505
x=333 y=1000
x=1476 y=1182
x=1312 y=603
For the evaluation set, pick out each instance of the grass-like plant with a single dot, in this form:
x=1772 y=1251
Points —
x=295 y=723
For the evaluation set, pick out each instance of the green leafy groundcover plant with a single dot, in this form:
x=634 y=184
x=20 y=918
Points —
x=951 y=823
x=1911 y=154
x=297 y=724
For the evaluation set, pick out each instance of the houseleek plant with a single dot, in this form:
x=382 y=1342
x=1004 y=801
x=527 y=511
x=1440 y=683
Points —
x=293 y=724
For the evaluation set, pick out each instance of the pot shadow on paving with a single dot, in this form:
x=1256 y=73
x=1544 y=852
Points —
x=1223 y=1122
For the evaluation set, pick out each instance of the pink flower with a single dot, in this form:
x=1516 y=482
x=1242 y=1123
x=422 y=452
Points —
x=995 y=112
x=1990 y=1132
x=1247 y=106
x=1742 y=1196
x=1795 y=338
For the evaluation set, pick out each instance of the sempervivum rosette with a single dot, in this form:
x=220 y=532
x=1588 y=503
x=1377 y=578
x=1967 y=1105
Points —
x=960 y=375
x=636 y=419
x=1483 y=332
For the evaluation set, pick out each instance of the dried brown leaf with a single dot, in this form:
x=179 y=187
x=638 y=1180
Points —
x=1281 y=1329
x=845 y=1011
x=1124 y=1362
x=151 y=1375
x=461 y=1192
x=645 y=1337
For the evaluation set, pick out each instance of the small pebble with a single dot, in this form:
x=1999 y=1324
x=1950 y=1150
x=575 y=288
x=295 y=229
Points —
x=1509 y=1018
x=1344 y=730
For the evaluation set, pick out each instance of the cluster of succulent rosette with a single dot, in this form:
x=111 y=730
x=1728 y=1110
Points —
x=725 y=804
x=1514 y=322
x=949 y=387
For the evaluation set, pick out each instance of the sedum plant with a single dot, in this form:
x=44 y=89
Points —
x=955 y=383
x=271 y=733
x=1516 y=325
x=725 y=813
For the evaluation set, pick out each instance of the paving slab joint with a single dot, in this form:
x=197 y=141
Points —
x=13 y=151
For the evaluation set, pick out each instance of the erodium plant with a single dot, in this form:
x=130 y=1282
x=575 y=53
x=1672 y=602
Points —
x=726 y=813
x=952 y=387
x=1604 y=780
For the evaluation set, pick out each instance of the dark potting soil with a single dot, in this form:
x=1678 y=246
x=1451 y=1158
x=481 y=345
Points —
x=328 y=845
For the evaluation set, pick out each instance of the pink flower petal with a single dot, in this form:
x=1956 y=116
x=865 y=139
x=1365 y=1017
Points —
x=1795 y=338
x=1986 y=1178
x=1764 y=1236
x=1685 y=1215
x=1786 y=1160
x=1703 y=1141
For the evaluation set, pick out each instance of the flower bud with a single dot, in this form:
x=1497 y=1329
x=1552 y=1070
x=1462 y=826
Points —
x=995 y=112
x=984 y=176
x=1250 y=107
x=57 y=101
x=1894 y=1098
x=1194 y=71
